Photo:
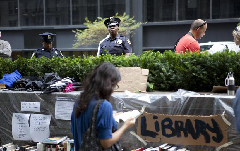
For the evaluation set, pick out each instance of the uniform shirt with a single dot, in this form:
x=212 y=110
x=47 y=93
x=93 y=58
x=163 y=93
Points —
x=5 y=49
x=104 y=122
x=119 y=46
x=46 y=53
x=187 y=42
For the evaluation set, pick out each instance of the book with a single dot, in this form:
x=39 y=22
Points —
x=54 y=140
x=126 y=115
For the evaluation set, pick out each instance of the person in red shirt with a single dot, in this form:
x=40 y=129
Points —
x=189 y=42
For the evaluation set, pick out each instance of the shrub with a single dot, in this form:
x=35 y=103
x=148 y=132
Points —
x=168 y=71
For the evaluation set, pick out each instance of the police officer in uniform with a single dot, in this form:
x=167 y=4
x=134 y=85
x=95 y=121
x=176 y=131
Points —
x=114 y=43
x=5 y=48
x=47 y=50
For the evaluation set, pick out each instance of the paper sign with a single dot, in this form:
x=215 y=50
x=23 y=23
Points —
x=30 y=106
x=39 y=127
x=20 y=126
x=133 y=79
x=64 y=108
x=183 y=129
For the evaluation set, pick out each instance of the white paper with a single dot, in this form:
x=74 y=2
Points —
x=20 y=126
x=39 y=127
x=126 y=115
x=63 y=109
x=30 y=106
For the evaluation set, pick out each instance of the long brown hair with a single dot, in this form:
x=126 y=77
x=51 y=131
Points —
x=98 y=84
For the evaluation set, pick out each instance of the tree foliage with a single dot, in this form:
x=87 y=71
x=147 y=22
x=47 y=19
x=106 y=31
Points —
x=96 y=30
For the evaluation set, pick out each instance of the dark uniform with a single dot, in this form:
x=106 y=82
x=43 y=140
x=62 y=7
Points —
x=47 y=53
x=42 y=52
x=118 y=46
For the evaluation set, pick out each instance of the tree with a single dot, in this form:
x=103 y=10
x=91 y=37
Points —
x=96 y=30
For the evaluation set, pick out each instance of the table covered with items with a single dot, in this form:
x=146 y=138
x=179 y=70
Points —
x=182 y=119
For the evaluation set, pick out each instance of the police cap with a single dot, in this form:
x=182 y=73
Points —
x=112 y=21
x=47 y=37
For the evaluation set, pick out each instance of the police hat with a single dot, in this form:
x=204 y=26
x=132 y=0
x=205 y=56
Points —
x=47 y=37
x=112 y=21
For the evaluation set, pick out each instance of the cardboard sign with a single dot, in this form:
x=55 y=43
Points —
x=2 y=85
x=183 y=129
x=133 y=79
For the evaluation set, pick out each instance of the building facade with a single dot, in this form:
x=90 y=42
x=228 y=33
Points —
x=166 y=20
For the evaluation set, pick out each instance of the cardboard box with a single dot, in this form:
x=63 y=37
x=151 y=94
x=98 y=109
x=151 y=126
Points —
x=133 y=79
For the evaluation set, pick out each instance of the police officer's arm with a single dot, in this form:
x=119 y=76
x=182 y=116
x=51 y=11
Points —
x=60 y=54
x=127 y=47
x=100 y=46
x=34 y=54
x=99 y=49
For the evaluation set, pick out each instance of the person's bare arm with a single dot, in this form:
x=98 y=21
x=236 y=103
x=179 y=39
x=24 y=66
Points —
x=106 y=143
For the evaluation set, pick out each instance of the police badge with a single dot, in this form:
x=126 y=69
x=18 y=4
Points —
x=119 y=41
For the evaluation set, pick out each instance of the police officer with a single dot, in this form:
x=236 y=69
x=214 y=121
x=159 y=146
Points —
x=47 y=50
x=114 y=43
x=5 y=48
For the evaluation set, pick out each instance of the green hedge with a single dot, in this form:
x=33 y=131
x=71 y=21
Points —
x=168 y=71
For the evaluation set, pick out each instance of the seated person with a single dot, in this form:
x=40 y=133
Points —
x=114 y=43
x=47 y=50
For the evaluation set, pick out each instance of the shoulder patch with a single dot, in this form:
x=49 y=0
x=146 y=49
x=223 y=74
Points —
x=129 y=41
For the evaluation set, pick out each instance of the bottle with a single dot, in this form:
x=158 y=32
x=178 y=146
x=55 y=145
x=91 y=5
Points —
x=230 y=83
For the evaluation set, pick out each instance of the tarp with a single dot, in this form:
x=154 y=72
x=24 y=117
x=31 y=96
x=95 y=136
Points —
x=167 y=103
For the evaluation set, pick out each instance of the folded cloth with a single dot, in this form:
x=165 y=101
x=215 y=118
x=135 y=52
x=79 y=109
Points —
x=8 y=79
x=69 y=88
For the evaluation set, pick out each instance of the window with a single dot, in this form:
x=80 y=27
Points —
x=225 y=9
x=193 y=9
x=31 y=13
x=109 y=8
x=82 y=9
x=12 y=23
x=57 y=12
x=8 y=13
x=159 y=10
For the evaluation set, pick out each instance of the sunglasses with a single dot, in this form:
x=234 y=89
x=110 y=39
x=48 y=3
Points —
x=205 y=22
